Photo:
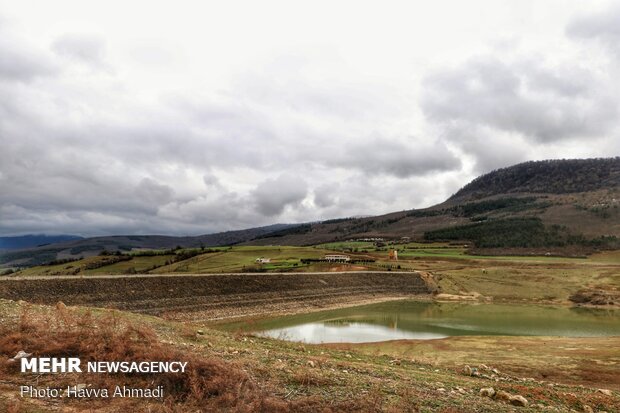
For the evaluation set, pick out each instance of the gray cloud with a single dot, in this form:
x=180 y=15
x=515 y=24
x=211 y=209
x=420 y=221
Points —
x=603 y=26
x=327 y=195
x=85 y=48
x=273 y=195
x=401 y=159
x=242 y=138
x=211 y=180
x=151 y=191
x=535 y=102
x=492 y=150
x=18 y=62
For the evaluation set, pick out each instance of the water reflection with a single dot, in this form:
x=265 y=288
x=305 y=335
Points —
x=329 y=332
x=429 y=320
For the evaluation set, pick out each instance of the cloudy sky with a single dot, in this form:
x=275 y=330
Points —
x=191 y=117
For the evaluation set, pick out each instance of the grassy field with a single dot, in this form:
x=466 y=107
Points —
x=237 y=259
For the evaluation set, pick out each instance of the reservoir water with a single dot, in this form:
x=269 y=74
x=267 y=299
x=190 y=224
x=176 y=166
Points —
x=408 y=319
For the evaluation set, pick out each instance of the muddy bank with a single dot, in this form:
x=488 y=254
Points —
x=214 y=296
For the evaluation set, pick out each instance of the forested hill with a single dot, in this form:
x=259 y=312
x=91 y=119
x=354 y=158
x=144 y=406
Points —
x=551 y=176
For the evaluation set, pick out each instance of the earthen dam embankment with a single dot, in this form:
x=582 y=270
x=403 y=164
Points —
x=212 y=296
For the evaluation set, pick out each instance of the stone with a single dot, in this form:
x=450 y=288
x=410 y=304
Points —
x=502 y=395
x=518 y=400
x=21 y=354
x=467 y=371
x=605 y=392
x=200 y=332
x=487 y=392
x=587 y=409
x=310 y=363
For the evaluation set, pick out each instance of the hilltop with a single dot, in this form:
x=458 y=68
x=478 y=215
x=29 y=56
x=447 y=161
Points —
x=557 y=176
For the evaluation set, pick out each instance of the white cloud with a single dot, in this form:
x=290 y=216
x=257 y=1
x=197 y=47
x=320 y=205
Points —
x=203 y=118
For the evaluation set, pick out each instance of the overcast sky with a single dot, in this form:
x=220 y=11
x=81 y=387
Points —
x=190 y=117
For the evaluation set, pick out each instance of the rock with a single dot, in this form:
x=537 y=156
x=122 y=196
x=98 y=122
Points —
x=487 y=392
x=310 y=363
x=467 y=371
x=515 y=400
x=587 y=409
x=518 y=400
x=502 y=395
x=441 y=389
x=21 y=354
x=200 y=332
x=483 y=367
x=495 y=371
x=605 y=392
x=60 y=306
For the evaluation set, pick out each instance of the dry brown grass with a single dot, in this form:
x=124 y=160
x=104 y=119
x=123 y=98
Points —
x=209 y=384
x=307 y=377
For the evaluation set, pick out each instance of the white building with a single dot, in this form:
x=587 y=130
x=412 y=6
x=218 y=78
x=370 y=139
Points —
x=337 y=257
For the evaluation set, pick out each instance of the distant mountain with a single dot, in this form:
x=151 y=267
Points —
x=93 y=246
x=28 y=241
x=563 y=204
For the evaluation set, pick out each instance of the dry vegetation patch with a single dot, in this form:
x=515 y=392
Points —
x=210 y=383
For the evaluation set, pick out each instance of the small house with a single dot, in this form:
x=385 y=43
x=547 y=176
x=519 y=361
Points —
x=337 y=258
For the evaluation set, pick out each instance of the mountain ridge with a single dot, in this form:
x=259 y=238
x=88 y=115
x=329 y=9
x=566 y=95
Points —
x=554 y=176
